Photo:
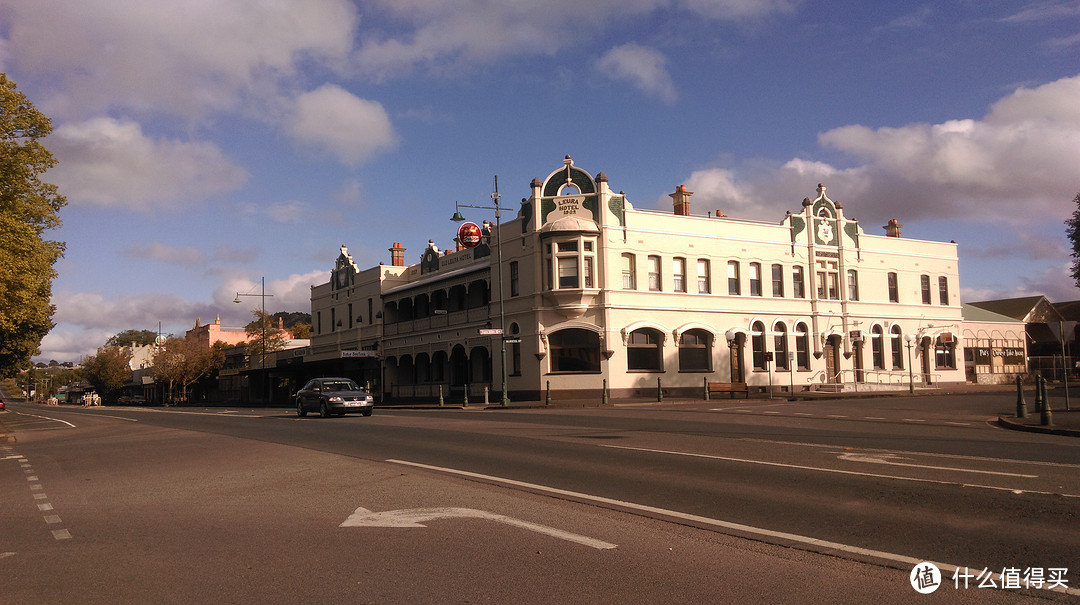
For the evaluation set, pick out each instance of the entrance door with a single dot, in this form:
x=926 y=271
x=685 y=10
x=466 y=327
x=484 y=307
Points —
x=857 y=352
x=736 y=355
x=831 y=352
x=927 y=356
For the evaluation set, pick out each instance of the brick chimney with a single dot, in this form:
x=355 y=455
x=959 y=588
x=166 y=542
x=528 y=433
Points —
x=893 y=228
x=681 y=199
x=397 y=255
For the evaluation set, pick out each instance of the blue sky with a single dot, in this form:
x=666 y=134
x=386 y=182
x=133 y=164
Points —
x=203 y=145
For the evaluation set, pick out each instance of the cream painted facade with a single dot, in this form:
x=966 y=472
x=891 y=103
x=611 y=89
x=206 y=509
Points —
x=598 y=293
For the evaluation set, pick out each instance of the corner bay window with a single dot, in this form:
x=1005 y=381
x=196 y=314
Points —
x=570 y=263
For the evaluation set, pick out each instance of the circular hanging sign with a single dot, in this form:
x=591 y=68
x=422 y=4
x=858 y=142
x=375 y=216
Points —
x=469 y=235
x=160 y=340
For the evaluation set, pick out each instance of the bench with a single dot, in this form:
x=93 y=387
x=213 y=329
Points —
x=727 y=387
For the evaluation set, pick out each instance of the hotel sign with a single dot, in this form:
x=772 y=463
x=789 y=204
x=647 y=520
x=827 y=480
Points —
x=357 y=354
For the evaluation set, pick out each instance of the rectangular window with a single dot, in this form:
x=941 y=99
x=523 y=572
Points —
x=798 y=285
x=678 y=274
x=802 y=347
x=925 y=282
x=828 y=281
x=943 y=290
x=778 y=281
x=755 y=279
x=350 y=315
x=733 y=286
x=333 y=319
x=513 y=278
x=852 y=284
x=654 y=273
x=589 y=271
x=568 y=271
x=318 y=322
x=629 y=279
x=703 y=282
x=894 y=288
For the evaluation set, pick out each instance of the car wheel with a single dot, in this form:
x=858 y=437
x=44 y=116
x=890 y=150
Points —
x=366 y=412
x=300 y=411
x=324 y=412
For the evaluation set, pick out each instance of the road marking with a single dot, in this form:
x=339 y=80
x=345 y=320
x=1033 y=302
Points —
x=803 y=414
x=770 y=412
x=52 y=519
x=415 y=517
x=837 y=416
x=782 y=537
x=4 y=555
x=44 y=507
x=873 y=418
x=32 y=478
x=958 y=423
x=881 y=459
x=47 y=418
x=913 y=420
x=61 y=534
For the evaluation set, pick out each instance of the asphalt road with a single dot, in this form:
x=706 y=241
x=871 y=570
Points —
x=747 y=501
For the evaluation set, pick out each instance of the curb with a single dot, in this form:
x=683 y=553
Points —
x=1010 y=423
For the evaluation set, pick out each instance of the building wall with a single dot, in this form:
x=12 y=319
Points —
x=582 y=318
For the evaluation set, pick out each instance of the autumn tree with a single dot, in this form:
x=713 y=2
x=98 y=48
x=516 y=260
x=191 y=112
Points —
x=264 y=335
x=181 y=362
x=108 y=370
x=28 y=207
x=1072 y=229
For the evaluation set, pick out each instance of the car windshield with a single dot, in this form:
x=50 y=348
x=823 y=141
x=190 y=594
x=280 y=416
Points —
x=341 y=385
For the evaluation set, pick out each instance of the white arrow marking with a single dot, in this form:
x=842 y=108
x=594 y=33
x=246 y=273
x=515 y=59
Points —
x=416 y=517
x=884 y=459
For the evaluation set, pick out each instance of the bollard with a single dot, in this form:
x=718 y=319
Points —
x=441 y=402
x=706 y=384
x=1021 y=405
x=659 y=390
x=487 y=390
x=547 y=397
x=465 y=404
x=1045 y=399
x=1047 y=419
x=604 y=394
x=1038 y=394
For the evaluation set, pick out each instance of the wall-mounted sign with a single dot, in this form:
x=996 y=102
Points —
x=356 y=354
x=469 y=234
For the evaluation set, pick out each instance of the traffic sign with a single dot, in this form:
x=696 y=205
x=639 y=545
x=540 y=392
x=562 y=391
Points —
x=490 y=331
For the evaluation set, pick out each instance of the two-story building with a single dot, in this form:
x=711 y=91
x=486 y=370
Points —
x=598 y=294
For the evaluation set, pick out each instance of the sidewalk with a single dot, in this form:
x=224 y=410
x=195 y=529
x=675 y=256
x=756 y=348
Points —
x=1063 y=422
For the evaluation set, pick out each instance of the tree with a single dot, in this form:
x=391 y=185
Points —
x=275 y=338
x=108 y=370
x=1072 y=229
x=182 y=361
x=28 y=207
x=128 y=337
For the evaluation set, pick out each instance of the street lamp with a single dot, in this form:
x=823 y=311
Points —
x=457 y=218
x=909 y=338
x=262 y=364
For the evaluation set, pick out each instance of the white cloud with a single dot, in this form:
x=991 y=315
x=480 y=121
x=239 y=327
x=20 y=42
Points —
x=645 y=68
x=109 y=162
x=173 y=56
x=189 y=255
x=286 y=213
x=350 y=128
x=1017 y=165
x=446 y=36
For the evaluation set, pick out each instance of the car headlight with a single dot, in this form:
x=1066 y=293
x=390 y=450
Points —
x=336 y=400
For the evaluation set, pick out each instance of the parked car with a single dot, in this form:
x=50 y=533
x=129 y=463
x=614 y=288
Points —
x=2 y=406
x=333 y=396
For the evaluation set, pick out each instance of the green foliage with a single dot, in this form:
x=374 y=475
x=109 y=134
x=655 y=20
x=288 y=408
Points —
x=269 y=340
x=28 y=207
x=1072 y=229
x=108 y=370
x=125 y=338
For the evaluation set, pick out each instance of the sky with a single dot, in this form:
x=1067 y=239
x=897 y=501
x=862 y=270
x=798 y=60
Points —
x=205 y=145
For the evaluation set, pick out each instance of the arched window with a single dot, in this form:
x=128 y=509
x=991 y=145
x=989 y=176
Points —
x=878 y=347
x=574 y=350
x=897 y=338
x=644 y=351
x=695 y=351
x=780 y=346
x=802 y=346
x=757 y=339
